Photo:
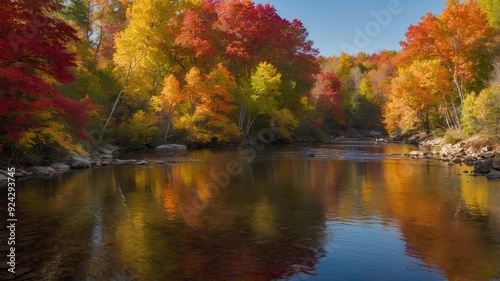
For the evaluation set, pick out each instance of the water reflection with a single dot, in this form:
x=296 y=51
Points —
x=353 y=212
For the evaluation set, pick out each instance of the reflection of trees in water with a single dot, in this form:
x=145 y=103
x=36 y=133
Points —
x=440 y=232
x=254 y=229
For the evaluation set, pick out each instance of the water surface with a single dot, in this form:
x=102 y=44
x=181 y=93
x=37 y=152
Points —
x=355 y=211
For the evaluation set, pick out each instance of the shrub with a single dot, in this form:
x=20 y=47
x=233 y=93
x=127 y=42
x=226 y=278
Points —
x=453 y=136
x=481 y=113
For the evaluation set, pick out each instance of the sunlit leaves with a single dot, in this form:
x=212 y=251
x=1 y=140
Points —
x=459 y=37
x=416 y=91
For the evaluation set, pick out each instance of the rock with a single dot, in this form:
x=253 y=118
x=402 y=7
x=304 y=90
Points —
x=457 y=161
x=124 y=162
x=487 y=155
x=493 y=175
x=43 y=171
x=171 y=148
x=60 y=167
x=482 y=167
x=106 y=162
x=375 y=134
x=416 y=153
x=106 y=156
x=80 y=162
x=142 y=162
x=109 y=149
x=486 y=149
x=496 y=164
x=160 y=162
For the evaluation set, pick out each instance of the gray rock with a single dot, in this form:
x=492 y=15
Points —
x=457 y=161
x=142 y=162
x=160 y=162
x=109 y=149
x=171 y=148
x=105 y=151
x=482 y=167
x=124 y=162
x=60 y=167
x=487 y=155
x=106 y=156
x=43 y=171
x=493 y=175
x=375 y=134
x=80 y=162
x=496 y=164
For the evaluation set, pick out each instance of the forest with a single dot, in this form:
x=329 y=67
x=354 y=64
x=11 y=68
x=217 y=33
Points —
x=76 y=73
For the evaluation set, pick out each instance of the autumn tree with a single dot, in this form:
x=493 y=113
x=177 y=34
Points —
x=416 y=92
x=167 y=102
x=241 y=35
x=34 y=58
x=141 y=56
x=460 y=37
x=492 y=10
x=329 y=101
x=205 y=109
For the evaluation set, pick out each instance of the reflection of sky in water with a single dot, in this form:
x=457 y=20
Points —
x=368 y=250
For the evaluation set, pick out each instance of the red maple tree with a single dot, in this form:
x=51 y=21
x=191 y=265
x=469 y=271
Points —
x=33 y=60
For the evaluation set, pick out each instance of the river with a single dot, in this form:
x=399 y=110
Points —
x=351 y=210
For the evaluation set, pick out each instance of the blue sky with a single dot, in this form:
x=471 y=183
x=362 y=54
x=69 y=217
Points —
x=356 y=25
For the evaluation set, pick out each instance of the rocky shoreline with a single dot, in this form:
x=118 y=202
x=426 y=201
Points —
x=103 y=156
x=485 y=161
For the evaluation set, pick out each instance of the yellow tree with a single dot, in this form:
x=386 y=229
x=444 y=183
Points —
x=141 y=56
x=415 y=92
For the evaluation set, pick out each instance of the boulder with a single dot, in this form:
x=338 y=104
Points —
x=471 y=160
x=141 y=162
x=496 y=164
x=171 y=148
x=375 y=134
x=80 y=162
x=457 y=161
x=60 y=167
x=43 y=171
x=106 y=156
x=487 y=155
x=493 y=175
x=482 y=167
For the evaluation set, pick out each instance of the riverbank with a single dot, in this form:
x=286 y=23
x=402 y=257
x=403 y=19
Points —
x=485 y=160
x=103 y=156
x=473 y=152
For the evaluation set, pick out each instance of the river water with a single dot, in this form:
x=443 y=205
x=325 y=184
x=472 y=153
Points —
x=356 y=210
